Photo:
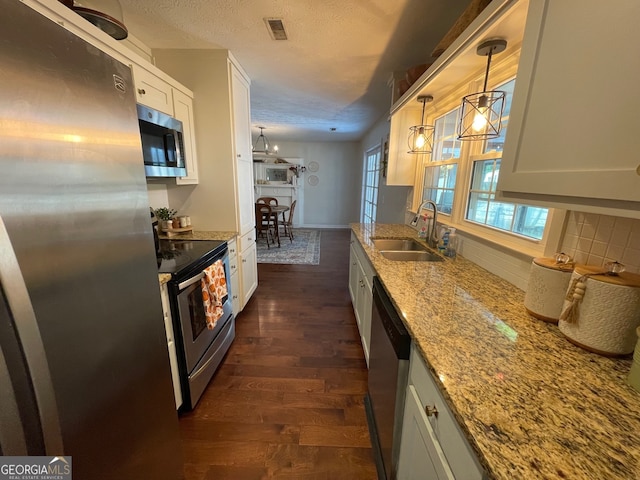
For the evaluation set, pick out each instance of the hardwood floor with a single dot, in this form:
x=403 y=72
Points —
x=287 y=403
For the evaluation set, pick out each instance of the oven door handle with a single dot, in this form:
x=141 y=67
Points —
x=191 y=281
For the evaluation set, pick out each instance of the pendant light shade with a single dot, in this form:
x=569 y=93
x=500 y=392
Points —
x=421 y=136
x=104 y=14
x=481 y=113
x=262 y=145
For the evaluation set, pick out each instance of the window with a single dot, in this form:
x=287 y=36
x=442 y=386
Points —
x=440 y=180
x=439 y=186
x=483 y=208
x=370 y=185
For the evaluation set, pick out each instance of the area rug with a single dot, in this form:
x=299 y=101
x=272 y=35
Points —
x=304 y=250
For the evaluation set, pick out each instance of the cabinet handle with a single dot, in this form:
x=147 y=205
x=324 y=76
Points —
x=431 y=411
x=239 y=155
x=244 y=261
x=141 y=91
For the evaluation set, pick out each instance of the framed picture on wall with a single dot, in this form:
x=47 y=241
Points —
x=277 y=174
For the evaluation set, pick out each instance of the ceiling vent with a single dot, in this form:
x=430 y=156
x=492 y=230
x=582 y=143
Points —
x=276 y=28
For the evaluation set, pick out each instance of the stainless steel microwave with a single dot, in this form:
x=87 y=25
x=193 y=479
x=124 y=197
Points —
x=162 y=143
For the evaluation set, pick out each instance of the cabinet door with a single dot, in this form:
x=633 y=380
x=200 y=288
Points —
x=152 y=91
x=236 y=293
x=353 y=275
x=401 y=166
x=365 y=320
x=183 y=107
x=572 y=129
x=421 y=456
x=246 y=208
x=249 y=272
x=242 y=147
x=241 y=115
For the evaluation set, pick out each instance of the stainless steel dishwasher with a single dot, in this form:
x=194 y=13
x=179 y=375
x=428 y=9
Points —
x=388 y=372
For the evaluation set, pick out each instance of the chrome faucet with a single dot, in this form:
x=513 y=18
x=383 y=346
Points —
x=432 y=237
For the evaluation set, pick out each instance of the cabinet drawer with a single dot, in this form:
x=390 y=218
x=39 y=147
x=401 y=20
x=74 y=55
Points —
x=460 y=456
x=247 y=240
x=233 y=248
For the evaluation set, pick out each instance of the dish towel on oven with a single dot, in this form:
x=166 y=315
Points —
x=214 y=289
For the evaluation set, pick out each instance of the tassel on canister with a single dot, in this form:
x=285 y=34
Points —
x=548 y=282
x=601 y=310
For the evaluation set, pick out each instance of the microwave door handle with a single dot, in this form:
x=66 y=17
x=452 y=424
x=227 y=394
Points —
x=176 y=136
x=176 y=145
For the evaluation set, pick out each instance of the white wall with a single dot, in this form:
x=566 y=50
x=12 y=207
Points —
x=392 y=200
x=335 y=201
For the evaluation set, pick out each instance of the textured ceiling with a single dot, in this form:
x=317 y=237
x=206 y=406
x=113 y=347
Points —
x=331 y=72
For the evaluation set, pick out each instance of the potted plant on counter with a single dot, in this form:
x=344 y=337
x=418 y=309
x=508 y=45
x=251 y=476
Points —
x=166 y=216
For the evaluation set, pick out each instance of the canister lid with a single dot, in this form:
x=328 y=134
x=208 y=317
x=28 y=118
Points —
x=554 y=264
x=625 y=279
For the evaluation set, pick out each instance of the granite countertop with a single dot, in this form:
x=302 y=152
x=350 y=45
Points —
x=198 y=235
x=533 y=405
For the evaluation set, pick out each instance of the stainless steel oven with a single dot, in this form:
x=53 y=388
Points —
x=200 y=350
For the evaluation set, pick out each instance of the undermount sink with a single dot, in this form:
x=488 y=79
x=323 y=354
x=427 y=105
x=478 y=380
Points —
x=403 y=244
x=404 y=250
x=410 y=256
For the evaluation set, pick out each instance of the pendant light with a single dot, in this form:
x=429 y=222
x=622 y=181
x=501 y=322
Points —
x=421 y=136
x=481 y=113
x=104 y=14
x=261 y=145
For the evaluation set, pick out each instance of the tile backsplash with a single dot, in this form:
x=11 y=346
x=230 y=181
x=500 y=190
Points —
x=594 y=239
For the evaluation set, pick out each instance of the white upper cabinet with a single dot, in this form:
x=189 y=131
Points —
x=152 y=91
x=571 y=136
x=401 y=166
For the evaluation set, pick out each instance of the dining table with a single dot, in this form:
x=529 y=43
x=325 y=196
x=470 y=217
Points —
x=277 y=210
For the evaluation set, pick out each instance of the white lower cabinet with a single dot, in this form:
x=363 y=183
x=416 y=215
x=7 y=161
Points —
x=432 y=445
x=234 y=281
x=248 y=263
x=173 y=359
x=360 y=288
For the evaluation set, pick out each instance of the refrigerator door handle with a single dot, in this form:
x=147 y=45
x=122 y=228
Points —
x=12 y=437
x=26 y=325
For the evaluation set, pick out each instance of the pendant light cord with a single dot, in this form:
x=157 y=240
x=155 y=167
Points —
x=486 y=73
x=424 y=103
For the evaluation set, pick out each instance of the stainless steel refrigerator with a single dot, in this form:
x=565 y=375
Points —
x=84 y=368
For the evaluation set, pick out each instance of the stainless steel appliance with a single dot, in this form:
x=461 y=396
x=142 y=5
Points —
x=200 y=350
x=162 y=143
x=84 y=368
x=388 y=372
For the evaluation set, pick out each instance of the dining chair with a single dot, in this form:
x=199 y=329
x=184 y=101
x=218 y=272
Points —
x=288 y=224
x=267 y=223
x=268 y=200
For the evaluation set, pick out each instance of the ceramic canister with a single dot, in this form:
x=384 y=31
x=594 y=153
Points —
x=548 y=282
x=634 y=373
x=601 y=312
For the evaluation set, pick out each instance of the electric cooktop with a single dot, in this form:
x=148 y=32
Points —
x=174 y=256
